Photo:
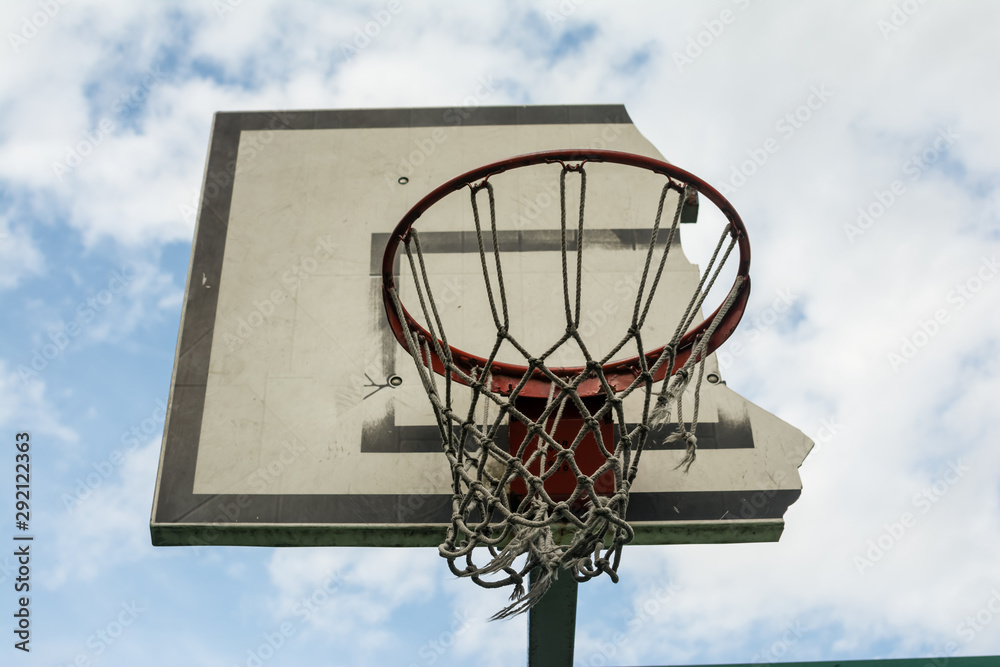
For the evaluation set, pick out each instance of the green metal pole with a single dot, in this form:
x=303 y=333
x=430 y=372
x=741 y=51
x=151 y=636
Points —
x=983 y=661
x=552 y=624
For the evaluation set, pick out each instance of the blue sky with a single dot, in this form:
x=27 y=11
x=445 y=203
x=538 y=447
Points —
x=873 y=203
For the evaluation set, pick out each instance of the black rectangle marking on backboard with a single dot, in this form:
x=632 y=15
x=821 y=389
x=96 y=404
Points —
x=530 y=240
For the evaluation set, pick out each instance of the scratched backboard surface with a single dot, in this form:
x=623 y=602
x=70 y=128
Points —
x=295 y=417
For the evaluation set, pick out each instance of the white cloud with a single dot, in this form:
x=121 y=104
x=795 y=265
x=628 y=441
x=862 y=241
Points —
x=348 y=592
x=27 y=406
x=20 y=255
x=109 y=523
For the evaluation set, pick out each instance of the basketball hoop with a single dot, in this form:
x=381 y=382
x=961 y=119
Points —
x=564 y=465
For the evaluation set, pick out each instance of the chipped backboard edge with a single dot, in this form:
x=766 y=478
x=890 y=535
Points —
x=174 y=500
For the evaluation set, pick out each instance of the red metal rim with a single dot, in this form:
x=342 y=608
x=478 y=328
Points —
x=620 y=373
